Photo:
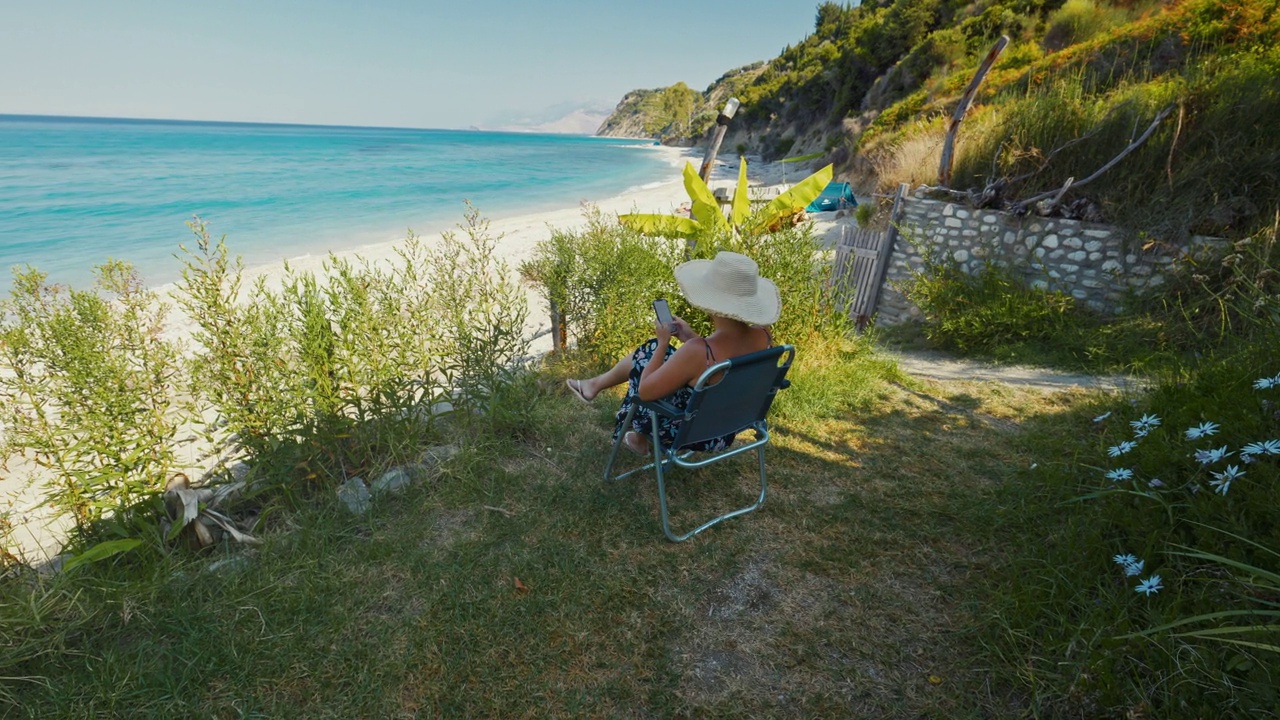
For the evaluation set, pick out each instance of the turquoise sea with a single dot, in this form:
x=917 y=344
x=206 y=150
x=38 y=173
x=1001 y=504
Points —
x=75 y=191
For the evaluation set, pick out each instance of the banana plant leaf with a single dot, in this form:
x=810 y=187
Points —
x=741 y=208
x=795 y=199
x=661 y=225
x=705 y=207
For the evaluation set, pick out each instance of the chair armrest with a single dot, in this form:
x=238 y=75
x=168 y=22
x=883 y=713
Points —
x=661 y=407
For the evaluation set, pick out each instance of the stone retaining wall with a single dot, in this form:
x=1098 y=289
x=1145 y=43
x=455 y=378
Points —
x=1096 y=264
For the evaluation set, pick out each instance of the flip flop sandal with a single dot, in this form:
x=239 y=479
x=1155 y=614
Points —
x=575 y=387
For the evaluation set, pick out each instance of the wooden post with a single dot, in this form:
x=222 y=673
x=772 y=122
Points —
x=948 y=143
x=886 y=254
x=722 y=125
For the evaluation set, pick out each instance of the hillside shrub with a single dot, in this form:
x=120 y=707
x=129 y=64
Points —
x=1079 y=20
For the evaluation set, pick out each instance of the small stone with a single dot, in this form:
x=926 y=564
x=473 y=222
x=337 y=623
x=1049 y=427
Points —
x=354 y=495
x=1095 y=256
x=952 y=223
x=1057 y=254
x=1041 y=284
x=1073 y=243
x=962 y=214
x=989 y=219
x=1079 y=294
x=437 y=454
x=1050 y=241
x=960 y=255
x=1111 y=266
x=392 y=481
x=1093 y=245
x=948 y=210
x=1068 y=268
x=1078 y=256
x=1097 y=233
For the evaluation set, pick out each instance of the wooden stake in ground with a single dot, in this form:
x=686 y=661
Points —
x=948 y=143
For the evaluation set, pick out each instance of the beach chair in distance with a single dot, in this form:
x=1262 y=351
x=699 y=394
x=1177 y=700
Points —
x=738 y=401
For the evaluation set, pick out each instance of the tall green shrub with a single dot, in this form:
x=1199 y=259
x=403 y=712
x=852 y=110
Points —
x=90 y=389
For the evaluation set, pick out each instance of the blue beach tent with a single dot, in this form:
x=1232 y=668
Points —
x=836 y=196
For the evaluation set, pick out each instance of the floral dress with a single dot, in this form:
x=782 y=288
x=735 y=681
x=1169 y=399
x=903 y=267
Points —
x=668 y=428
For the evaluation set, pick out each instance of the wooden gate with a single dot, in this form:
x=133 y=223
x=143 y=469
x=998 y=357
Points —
x=855 y=271
x=862 y=259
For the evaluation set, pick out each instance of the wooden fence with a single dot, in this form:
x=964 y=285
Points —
x=862 y=259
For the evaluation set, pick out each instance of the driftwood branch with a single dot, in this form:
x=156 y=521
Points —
x=948 y=143
x=1160 y=116
x=1073 y=141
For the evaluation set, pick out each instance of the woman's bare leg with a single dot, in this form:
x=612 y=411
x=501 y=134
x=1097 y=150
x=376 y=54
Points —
x=615 y=375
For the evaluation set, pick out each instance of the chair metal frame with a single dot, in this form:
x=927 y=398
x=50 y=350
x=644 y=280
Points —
x=763 y=386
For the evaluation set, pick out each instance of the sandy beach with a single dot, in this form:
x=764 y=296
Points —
x=37 y=536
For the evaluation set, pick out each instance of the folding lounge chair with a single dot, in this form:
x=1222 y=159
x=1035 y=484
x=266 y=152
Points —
x=739 y=401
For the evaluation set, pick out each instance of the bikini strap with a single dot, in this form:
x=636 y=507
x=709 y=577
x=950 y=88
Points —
x=711 y=356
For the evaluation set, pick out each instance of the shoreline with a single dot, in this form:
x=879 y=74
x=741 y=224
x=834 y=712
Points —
x=515 y=239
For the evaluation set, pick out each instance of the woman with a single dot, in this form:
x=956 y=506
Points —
x=741 y=305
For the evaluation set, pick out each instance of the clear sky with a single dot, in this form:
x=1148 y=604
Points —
x=401 y=63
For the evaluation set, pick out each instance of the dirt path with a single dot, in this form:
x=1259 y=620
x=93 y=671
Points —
x=941 y=366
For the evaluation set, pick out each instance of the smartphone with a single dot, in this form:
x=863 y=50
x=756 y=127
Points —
x=663 y=312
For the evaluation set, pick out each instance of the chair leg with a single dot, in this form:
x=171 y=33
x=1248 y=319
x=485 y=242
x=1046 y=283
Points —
x=617 y=443
x=666 y=517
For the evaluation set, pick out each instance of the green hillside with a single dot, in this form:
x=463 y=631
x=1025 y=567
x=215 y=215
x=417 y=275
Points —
x=872 y=87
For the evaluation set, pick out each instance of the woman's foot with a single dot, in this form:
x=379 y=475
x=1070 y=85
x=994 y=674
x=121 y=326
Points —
x=636 y=443
x=579 y=390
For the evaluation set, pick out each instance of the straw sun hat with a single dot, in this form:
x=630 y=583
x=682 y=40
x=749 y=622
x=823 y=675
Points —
x=730 y=286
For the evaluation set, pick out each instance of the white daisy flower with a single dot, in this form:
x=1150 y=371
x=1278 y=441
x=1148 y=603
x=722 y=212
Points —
x=1212 y=455
x=1122 y=448
x=1204 y=429
x=1150 y=586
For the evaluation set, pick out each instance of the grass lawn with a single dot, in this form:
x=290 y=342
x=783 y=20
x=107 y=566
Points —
x=517 y=584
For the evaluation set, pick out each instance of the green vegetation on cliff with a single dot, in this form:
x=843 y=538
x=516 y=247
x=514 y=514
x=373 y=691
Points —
x=873 y=85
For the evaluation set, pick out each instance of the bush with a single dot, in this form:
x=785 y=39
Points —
x=314 y=372
x=603 y=280
x=1079 y=20
x=987 y=310
x=91 y=391
x=605 y=277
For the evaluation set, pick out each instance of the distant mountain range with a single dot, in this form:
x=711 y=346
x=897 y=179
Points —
x=578 y=121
